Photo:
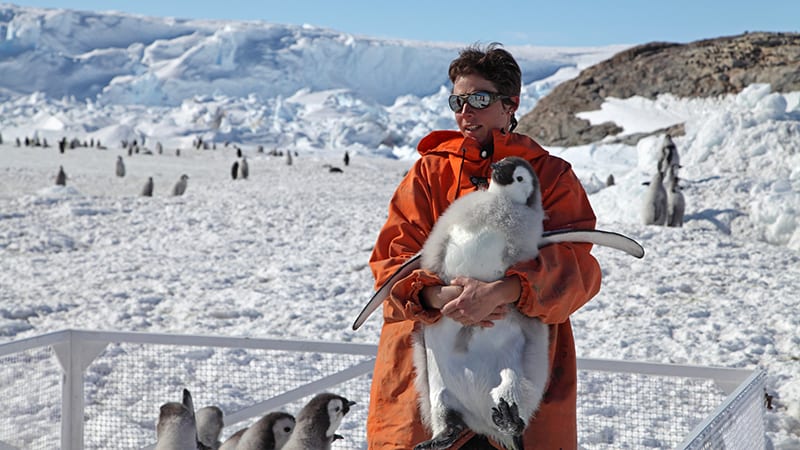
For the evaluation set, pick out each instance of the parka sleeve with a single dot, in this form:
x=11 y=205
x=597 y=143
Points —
x=411 y=217
x=565 y=276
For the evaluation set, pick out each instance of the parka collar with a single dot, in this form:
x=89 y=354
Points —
x=504 y=144
x=469 y=162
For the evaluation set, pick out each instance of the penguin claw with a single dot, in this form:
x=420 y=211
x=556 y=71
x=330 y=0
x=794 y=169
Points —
x=507 y=419
x=446 y=438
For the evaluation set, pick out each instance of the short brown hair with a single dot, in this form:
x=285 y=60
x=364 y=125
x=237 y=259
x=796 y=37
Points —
x=492 y=63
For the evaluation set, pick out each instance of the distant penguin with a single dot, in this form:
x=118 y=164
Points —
x=489 y=380
x=209 y=426
x=610 y=180
x=317 y=423
x=120 y=167
x=61 y=177
x=288 y=157
x=669 y=154
x=334 y=169
x=654 y=207
x=244 y=169
x=180 y=186
x=147 y=190
x=346 y=158
x=676 y=204
x=176 y=428
x=238 y=152
x=235 y=170
x=271 y=432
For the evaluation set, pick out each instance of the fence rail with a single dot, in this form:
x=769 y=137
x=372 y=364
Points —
x=76 y=389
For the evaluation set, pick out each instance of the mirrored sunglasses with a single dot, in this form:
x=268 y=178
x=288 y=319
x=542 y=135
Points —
x=477 y=100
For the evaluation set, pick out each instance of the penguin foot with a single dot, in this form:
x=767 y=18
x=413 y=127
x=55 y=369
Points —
x=507 y=419
x=447 y=437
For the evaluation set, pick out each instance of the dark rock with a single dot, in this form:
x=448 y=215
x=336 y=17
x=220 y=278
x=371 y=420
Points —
x=706 y=68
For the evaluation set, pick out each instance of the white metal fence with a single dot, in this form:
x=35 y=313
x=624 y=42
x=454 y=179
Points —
x=102 y=390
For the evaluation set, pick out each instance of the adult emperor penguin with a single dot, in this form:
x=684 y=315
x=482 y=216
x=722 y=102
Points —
x=120 y=167
x=669 y=154
x=489 y=380
x=177 y=429
x=180 y=186
x=270 y=432
x=147 y=190
x=209 y=426
x=317 y=422
x=235 y=170
x=61 y=177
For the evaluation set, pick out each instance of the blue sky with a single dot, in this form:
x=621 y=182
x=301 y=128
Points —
x=554 y=23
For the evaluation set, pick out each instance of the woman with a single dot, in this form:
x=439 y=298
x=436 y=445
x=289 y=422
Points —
x=486 y=89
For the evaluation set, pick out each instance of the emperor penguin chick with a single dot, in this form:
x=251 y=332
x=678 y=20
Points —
x=180 y=186
x=317 y=423
x=177 y=429
x=270 y=432
x=489 y=380
x=209 y=426
x=120 y=170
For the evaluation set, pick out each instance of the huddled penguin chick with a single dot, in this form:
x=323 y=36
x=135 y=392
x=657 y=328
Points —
x=244 y=169
x=271 y=432
x=233 y=441
x=177 y=429
x=180 y=186
x=147 y=190
x=120 y=167
x=61 y=178
x=317 y=422
x=209 y=426
x=489 y=380
x=676 y=204
x=654 y=208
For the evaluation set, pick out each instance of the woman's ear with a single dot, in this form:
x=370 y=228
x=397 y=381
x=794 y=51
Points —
x=512 y=104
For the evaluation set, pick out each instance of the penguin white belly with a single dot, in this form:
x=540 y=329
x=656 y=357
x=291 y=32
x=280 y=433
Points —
x=472 y=368
x=477 y=253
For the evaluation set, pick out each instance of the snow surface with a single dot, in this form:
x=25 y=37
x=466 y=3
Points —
x=284 y=253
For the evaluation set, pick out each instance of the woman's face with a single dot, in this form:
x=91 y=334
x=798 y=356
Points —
x=479 y=123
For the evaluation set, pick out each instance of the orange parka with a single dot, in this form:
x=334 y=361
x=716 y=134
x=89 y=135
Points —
x=561 y=280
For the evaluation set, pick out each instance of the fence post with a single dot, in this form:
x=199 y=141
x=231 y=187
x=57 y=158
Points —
x=74 y=355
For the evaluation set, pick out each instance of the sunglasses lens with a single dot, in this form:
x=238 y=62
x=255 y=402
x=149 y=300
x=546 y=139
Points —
x=479 y=100
x=456 y=103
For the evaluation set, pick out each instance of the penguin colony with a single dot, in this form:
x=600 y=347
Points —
x=489 y=380
x=180 y=427
x=239 y=170
x=664 y=203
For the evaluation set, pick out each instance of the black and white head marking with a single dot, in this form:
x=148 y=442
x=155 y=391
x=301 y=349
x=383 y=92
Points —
x=516 y=177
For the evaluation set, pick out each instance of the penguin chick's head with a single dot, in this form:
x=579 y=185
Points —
x=513 y=176
x=326 y=408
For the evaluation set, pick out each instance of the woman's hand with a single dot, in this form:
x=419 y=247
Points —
x=481 y=303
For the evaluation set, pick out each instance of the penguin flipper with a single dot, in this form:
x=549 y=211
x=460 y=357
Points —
x=598 y=237
x=382 y=293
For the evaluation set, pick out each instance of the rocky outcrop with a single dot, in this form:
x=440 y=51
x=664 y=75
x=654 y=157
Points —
x=704 y=68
